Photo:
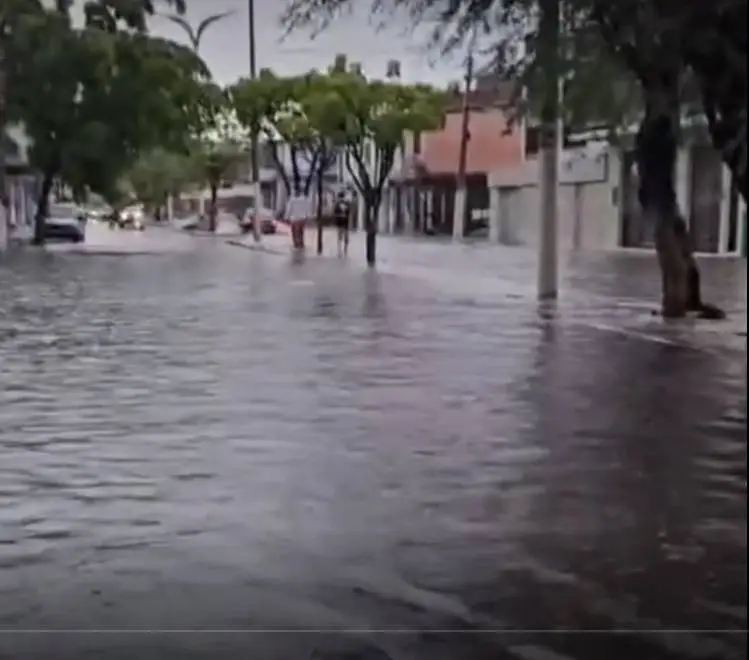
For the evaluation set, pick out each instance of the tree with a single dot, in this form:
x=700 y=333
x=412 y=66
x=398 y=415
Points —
x=293 y=112
x=157 y=175
x=217 y=153
x=657 y=58
x=714 y=46
x=275 y=104
x=324 y=140
x=92 y=100
x=369 y=119
x=115 y=15
x=658 y=43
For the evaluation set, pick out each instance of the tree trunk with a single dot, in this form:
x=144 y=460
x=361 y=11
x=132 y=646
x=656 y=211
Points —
x=213 y=209
x=370 y=219
x=656 y=154
x=715 y=48
x=319 y=212
x=42 y=208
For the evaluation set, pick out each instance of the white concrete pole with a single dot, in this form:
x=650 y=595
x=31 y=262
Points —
x=495 y=207
x=360 y=213
x=3 y=228
x=170 y=208
x=459 y=213
x=548 y=243
x=577 y=214
x=461 y=194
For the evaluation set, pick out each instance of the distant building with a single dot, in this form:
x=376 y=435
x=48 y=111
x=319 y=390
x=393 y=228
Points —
x=21 y=182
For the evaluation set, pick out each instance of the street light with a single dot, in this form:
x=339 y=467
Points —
x=3 y=112
x=549 y=37
x=195 y=35
x=254 y=129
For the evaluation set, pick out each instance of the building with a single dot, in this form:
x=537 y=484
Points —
x=424 y=186
x=598 y=205
x=21 y=185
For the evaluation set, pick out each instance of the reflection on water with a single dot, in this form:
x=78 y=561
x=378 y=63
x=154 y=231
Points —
x=197 y=440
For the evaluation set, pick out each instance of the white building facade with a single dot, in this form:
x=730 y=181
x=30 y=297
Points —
x=21 y=188
x=598 y=207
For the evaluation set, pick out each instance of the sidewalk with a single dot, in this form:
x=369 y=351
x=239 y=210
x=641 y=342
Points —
x=280 y=243
x=617 y=292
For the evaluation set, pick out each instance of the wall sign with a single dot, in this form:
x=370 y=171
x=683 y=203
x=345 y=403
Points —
x=583 y=166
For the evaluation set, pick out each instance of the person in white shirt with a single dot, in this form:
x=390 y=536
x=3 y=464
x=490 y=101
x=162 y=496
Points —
x=298 y=213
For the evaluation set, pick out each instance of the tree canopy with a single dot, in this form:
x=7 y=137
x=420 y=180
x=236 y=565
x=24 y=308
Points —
x=610 y=51
x=94 y=99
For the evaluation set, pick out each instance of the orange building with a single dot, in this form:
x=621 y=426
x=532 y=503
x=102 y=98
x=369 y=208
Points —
x=426 y=186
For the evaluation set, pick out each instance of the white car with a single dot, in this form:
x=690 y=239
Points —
x=66 y=223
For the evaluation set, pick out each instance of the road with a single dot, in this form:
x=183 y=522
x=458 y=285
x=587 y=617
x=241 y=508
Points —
x=363 y=465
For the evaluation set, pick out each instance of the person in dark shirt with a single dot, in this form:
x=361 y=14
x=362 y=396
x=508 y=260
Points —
x=342 y=217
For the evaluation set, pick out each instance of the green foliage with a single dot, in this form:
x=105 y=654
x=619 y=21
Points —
x=359 y=114
x=93 y=99
x=158 y=174
x=212 y=163
x=116 y=15
x=339 y=110
x=268 y=105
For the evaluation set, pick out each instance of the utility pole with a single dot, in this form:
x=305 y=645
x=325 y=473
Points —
x=460 y=210
x=254 y=129
x=4 y=228
x=549 y=153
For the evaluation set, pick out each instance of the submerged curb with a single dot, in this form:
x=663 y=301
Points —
x=256 y=248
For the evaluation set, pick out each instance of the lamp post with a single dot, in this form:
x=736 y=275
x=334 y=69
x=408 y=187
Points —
x=460 y=212
x=3 y=112
x=548 y=243
x=254 y=129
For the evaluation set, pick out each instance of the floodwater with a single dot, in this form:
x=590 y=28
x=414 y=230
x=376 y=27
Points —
x=216 y=453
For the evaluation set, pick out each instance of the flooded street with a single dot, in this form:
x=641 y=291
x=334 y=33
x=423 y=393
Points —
x=329 y=463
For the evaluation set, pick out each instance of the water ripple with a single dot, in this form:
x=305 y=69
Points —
x=188 y=439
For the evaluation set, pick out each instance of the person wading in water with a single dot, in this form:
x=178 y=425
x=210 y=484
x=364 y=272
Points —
x=342 y=216
x=298 y=212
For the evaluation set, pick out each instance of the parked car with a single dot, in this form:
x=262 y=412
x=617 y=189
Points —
x=265 y=216
x=65 y=223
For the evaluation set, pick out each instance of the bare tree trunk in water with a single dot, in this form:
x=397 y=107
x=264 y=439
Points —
x=370 y=220
x=213 y=209
x=319 y=210
x=42 y=208
x=656 y=154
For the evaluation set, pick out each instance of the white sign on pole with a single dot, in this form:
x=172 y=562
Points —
x=583 y=165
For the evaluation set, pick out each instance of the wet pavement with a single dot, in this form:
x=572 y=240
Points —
x=323 y=462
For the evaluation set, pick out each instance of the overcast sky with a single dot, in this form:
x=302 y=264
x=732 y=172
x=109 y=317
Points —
x=225 y=45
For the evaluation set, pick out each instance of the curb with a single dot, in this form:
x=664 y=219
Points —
x=256 y=248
